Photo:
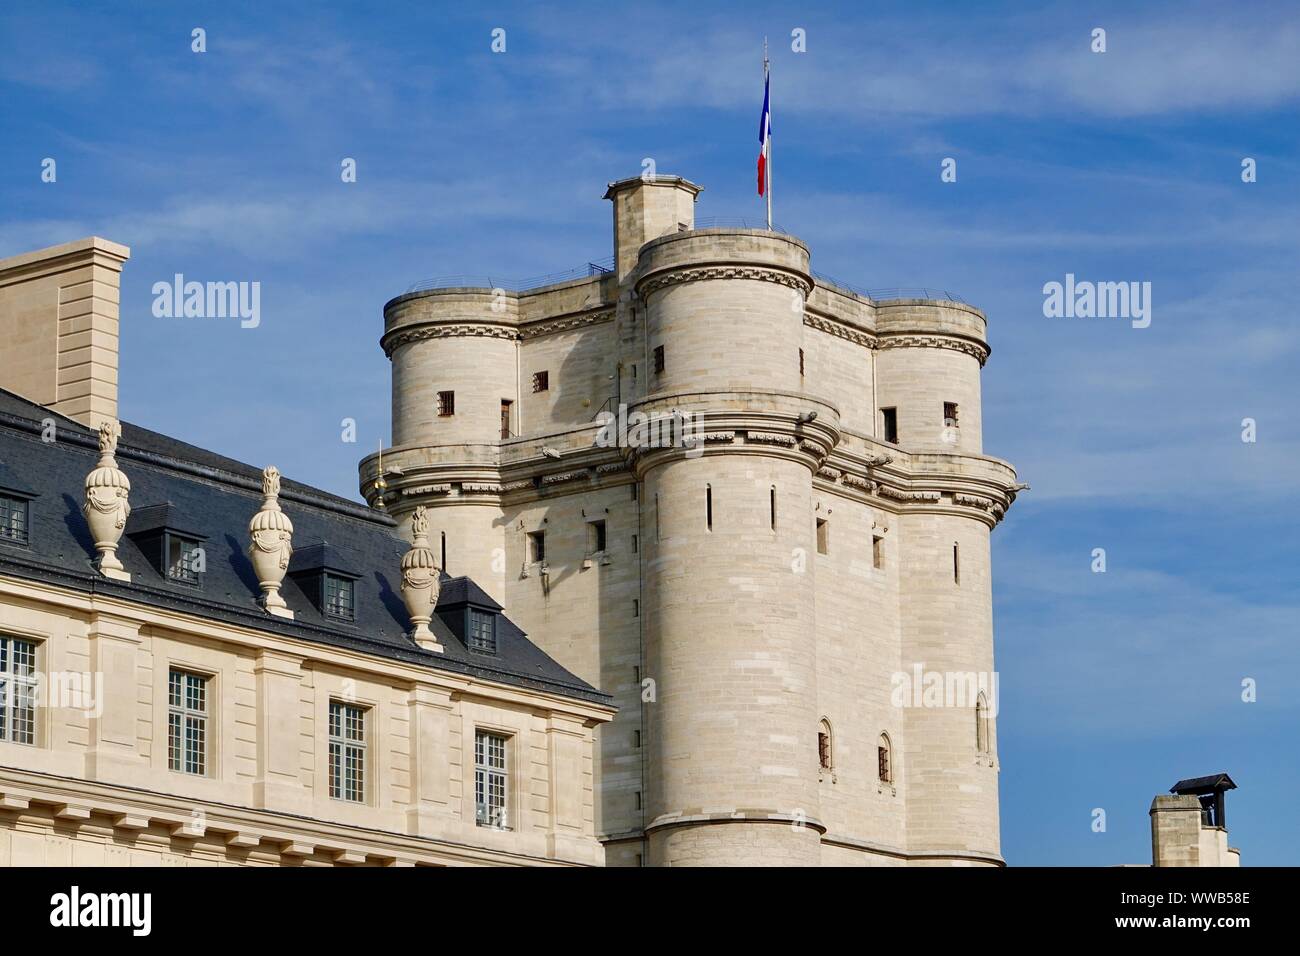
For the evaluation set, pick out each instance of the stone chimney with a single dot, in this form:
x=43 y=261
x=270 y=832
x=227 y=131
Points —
x=645 y=208
x=58 y=327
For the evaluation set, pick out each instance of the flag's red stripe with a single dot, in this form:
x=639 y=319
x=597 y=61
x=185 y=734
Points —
x=762 y=173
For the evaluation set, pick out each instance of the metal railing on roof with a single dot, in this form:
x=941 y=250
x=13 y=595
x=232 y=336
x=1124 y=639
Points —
x=737 y=222
x=599 y=267
x=887 y=295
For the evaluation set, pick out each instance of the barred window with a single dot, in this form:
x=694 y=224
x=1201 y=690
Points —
x=13 y=519
x=490 y=779
x=187 y=722
x=482 y=632
x=184 y=559
x=884 y=766
x=446 y=404
x=17 y=691
x=541 y=381
x=339 y=596
x=347 y=752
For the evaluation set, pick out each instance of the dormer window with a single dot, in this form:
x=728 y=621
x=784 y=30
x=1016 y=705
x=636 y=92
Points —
x=327 y=576
x=169 y=543
x=339 y=597
x=185 y=559
x=14 y=518
x=482 y=631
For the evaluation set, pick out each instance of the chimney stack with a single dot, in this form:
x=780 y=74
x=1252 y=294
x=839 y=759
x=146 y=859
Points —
x=1190 y=827
x=59 y=327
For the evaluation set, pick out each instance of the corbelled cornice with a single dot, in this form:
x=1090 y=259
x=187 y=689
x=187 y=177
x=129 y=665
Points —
x=468 y=327
x=707 y=273
x=978 y=351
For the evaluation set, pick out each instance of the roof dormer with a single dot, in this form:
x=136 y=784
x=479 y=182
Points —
x=327 y=574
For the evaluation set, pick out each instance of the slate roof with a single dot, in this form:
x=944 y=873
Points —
x=214 y=496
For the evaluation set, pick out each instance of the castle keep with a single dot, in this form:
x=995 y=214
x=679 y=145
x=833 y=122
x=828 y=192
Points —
x=747 y=597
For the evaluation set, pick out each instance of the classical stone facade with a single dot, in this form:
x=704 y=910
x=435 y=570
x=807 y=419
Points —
x=758 y=597
x=202 y=664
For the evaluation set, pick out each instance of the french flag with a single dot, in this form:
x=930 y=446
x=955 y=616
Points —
x=764 y=138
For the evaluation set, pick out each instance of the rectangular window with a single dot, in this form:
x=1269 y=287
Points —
x=771 y=503
x=708 y=507
x=950 y=414
x=482 y=632
x=339 y=597
x=13 y=519
x=347 y=736
x=505 y=417
x=187 y=722
x=184 y=559
x=636 y=607
x=541 y=381
x=636 y=739
x=636 y=544
x=890 y=416
x=956 y=564
x=823 y=536
x=446 y=404
x=536 y=546
x=877 y=551
x=659 y=359
x=490 y=780
x=17 y=691
x=595 y=537
x=801 y=361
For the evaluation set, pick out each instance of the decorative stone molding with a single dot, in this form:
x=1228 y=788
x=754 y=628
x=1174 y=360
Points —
x=565 y=476
x=973 y=501
x=716 y=437
x=517 y=485
x=770 y=438
x=107 y=504
x=272 y=544
x=857 y=481
x=980 y=352
x=421 y=582
x=899 y=495
x=611 y=467
x=830 y=474
x=840 y=330
x=787 y=279
x=812 y=447
x=566 y=324
x=418 y=333
x=442 y=489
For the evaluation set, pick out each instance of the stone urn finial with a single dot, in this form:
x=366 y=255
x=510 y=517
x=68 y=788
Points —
x=107 y=503
x=421 y=582
x=272 y=544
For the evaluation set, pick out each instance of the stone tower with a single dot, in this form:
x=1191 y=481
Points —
x=774 y=598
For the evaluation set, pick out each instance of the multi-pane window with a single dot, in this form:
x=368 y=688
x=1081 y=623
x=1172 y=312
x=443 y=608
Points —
x=17 y=691
x=13 y=519
x=482 y=631
x=339 y=597
x=347 y=752
x=446 y=404
x=187 y=722
x=184 y=559
x=541 y=381
x=490 y=780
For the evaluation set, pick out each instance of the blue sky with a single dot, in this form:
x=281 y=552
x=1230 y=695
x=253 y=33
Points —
x=1122 y=166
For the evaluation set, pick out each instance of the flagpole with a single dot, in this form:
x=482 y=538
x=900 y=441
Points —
x=768 y=166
